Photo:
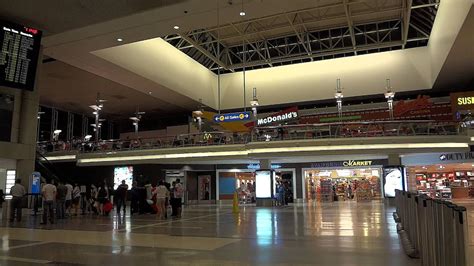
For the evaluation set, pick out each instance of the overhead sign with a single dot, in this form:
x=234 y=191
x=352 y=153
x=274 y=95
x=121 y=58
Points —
x=462 y=101
x=357 y=163
x=457 y=156
x=283 y=116
x=257 y=166
x=350 y=163
x=19 y=52
x=232 y=117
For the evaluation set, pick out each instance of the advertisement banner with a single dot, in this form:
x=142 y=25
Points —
x=35 y=183
x=393 y=179
x=264 y=184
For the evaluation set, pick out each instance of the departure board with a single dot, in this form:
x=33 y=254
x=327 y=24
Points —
x=19 y=53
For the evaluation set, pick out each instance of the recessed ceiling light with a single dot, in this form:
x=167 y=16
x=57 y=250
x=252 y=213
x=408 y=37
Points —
x=176 y=27
x=119 y=40
x=150 y=92
x=242 y=13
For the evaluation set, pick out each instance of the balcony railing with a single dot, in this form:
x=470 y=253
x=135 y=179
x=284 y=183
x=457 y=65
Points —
x=265 y=134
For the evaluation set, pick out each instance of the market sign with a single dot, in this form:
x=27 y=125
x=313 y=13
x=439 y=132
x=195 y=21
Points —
x=349 y=163
x=232 y=117
x=357 y=163
x=283 y=116
x=457 y=156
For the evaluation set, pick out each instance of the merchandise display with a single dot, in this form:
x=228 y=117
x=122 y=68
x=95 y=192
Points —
x=454 y=181
x=342 y=184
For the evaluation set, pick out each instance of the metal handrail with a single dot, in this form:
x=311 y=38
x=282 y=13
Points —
x=268 y=133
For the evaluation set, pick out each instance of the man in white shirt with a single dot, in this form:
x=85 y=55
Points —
x=49 y=195
x=161 y=194
x=17 y=192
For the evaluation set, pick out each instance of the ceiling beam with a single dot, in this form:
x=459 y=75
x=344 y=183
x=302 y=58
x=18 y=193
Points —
x=407 y=4
x=267 y=60
x=298 y=35
x=205 y=52
x=350 y=24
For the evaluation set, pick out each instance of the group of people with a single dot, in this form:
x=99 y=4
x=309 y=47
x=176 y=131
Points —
x=63 y=200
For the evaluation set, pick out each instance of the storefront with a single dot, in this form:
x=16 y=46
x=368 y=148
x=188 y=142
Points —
x=343 y=180
x=242 y=181
x=445 y=176
x=7 y=174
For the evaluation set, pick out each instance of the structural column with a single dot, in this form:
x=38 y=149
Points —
x=394 y=159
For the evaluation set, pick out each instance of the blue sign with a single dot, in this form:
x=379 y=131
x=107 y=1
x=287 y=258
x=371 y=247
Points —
x=257 y=166
x=35 y=183
x=232 y=117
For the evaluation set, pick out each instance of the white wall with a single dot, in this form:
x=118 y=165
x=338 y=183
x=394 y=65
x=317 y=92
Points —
x=159 y=61
x=360 y=75
x=449 y=20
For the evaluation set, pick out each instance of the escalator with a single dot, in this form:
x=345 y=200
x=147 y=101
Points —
x=47 y=169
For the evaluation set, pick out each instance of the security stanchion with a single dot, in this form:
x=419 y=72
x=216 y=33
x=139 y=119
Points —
x=462 y=238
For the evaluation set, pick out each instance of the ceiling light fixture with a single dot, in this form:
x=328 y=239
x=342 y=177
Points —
x=242 y=13
x=176 y=27
x=119 y=40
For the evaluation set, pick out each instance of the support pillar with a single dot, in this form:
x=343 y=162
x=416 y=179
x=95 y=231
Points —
x=265 y=164
x=394 y=159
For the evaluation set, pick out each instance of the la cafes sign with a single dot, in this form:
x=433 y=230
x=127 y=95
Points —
x=283 y=116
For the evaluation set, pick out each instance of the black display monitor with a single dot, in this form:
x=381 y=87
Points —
x=19 y=51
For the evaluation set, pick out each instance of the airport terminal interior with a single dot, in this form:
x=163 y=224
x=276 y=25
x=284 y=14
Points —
x=237 y=132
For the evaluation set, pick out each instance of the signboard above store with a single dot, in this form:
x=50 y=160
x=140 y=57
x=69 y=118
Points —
x=350 y=163
x=457 y=156
x=283 y=116
x=462 y=101
x=257 y=166
x=232 y=117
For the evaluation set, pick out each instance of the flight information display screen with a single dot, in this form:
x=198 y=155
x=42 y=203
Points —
x=19 y=51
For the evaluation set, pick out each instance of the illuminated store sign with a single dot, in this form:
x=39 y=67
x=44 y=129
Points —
x=257 y=166
x=286 y=115
x=349 y=163
x=457 y=156
x=465 y=100
x=357 y=163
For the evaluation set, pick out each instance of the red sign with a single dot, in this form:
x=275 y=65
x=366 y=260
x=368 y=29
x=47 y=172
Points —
x=420 y=104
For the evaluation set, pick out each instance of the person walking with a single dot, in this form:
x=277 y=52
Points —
x=93 y=200
x=69 y=198
x=102 y=198
x=121 y=195
x=76 y=198
x=18 y=192
x=61 y=201
x=178 y=196
x=161 y=195
x=134 y=198
x=49 y=195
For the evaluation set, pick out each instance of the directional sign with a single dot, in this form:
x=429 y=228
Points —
x=233 y=117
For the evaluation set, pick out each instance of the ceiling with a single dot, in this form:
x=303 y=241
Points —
x=56 y=16
x=328 y=30
x=275 y=33
x=69 y=88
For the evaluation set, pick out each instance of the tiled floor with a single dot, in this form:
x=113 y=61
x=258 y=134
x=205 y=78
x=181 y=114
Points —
x=341 y=233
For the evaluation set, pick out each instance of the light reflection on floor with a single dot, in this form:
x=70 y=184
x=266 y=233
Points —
x=339 y=233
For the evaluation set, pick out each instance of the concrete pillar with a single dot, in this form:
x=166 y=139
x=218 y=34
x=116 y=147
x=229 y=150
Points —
x=265 y=164
x=394 y=159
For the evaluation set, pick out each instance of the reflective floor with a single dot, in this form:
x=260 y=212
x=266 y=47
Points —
x=340 y=233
